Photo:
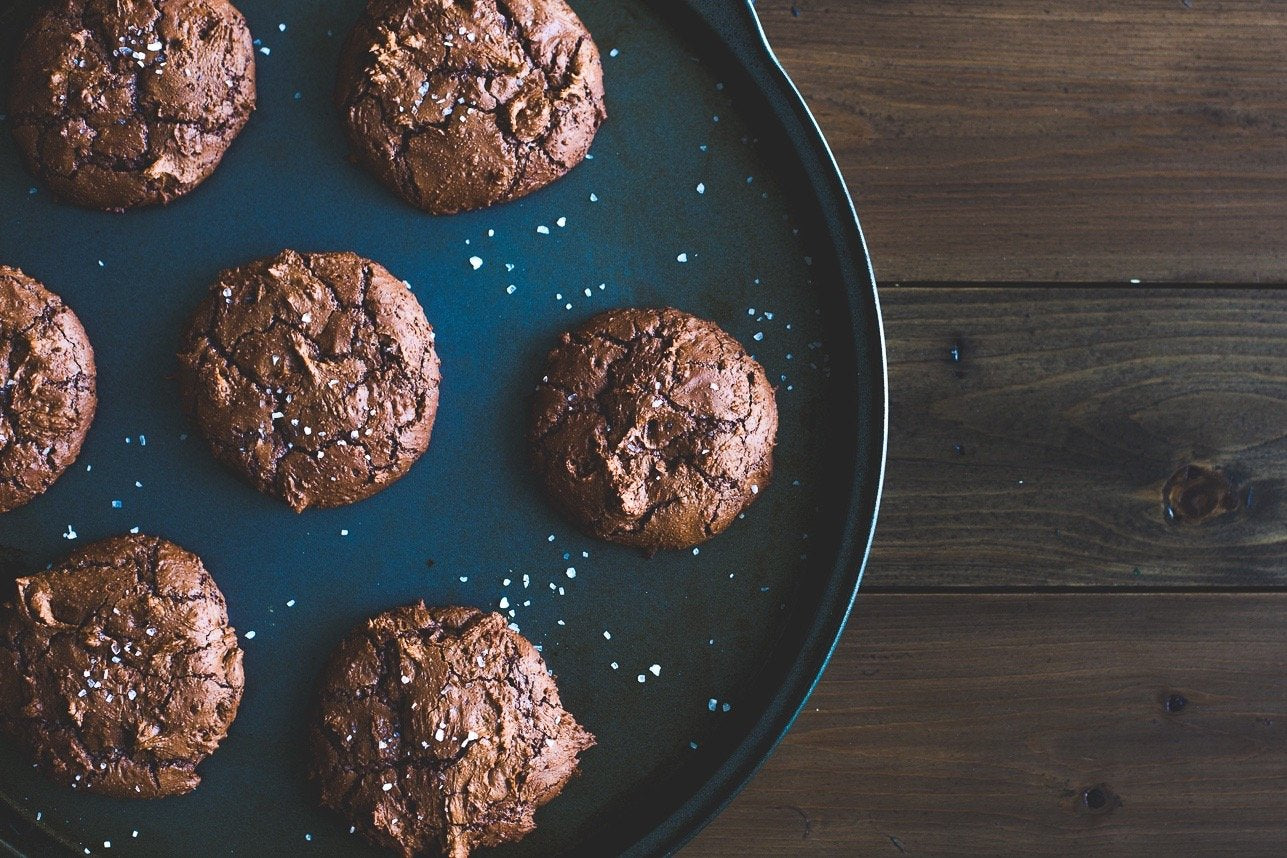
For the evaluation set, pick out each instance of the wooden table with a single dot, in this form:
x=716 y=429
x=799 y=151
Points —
x=1078 y=215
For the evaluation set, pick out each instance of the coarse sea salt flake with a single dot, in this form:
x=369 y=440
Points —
x=475 y=262
x=655 y=670
x=683 y=257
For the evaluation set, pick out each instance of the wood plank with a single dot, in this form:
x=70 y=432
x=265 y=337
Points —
x=1085 y=142
x=975 y=724
x=1037 y=456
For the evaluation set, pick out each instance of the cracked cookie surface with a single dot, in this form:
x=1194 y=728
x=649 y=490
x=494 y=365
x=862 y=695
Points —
x=441 y=730
x=460 y=105
x=118 y=668
x=313 y=375
x=653 y=428
x=47 y=388
x=124 y=103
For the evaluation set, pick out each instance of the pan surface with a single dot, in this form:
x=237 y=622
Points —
x=710 y=189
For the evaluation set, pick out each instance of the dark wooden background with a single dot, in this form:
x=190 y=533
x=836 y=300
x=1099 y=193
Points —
x=1078 y=215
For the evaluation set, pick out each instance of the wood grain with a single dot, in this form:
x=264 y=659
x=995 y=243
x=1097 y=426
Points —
x=1031 y=432
x=975 y=724
x=1086 y=142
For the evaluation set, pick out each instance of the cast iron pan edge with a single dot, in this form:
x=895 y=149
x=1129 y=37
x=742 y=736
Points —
x=737 y=26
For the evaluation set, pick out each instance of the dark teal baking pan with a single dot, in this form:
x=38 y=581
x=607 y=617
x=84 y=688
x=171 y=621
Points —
x=710 y=189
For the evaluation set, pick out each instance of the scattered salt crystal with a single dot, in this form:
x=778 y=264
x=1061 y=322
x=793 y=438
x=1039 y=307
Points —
x=562 y=221
x=615 y=665
x=614 y=52
x=594 y=198
x=250 y=636
x=655 y=670
x=571 y=571
x=701 y=187
x=643 y=678
x=543 y=230
x=475 y=262
x=511 y=289
x=290 y=603
x=607 y=635
x=387 y=787
x=683 y=257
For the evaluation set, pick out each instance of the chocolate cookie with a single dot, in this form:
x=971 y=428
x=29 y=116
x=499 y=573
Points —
x=458 y=106
x=314 y=375
x=118 y=668
x=47 y=388
x=653 y=428
x=441 y=730
x=124 y=103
